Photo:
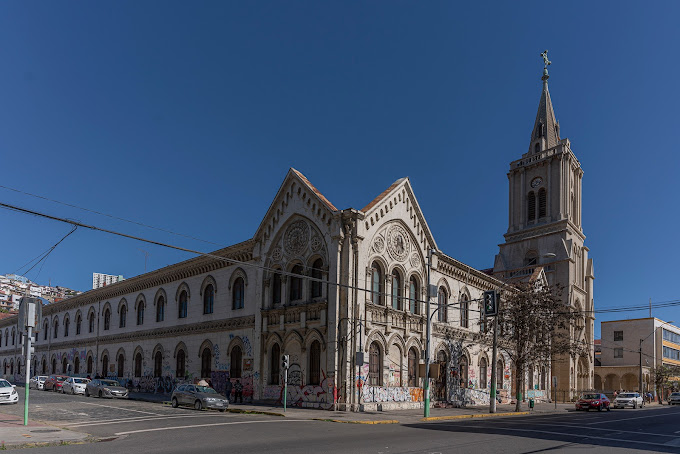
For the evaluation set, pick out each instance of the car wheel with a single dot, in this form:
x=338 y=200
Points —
x=100 y=394
x=634 y=405
x=73 y=392
x=62 y=390
x=198 y=405
x=87 y=393
x=175 y=404
x=600 y=407
x=222 y=410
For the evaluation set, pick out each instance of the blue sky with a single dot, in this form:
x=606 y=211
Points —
x=187 y=116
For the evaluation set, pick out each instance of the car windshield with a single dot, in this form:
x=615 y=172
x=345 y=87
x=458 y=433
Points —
x=80 y=380
x=591 y=396
x=205 y=389
x=627 y=395
x=5 y=384
x=110 y=383
x=675 y=394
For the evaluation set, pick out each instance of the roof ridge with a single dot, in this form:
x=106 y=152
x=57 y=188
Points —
x=383 y=194
x=314 y=189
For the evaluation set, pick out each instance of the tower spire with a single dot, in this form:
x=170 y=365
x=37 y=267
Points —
x=546 y=132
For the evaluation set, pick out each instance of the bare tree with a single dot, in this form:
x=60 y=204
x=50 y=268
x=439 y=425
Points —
x=535 y=326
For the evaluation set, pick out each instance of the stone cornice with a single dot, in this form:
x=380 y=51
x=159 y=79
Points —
x=294 y=309
x=458 y=270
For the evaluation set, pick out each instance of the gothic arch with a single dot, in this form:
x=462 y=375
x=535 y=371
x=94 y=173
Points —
x=140 y=298
x=208 y=280
x=185 y=287
x=274 y=338
x=464 y=290
x=238 y=272
x=443 y=282
x=292 y=336
x=121 y=351
x=121 y=303
x=160 y=292
x=414 y=342
x=313 y=335
x=236 y=341
x=441 y=346
x=105 y=352
x=181 y=346
x=157 y=348
x=206 y=343
x=376 y=336
x=396 y=339
x=313 y=258
x=138 y=349
x=91 y=311
x=399 y=267
x=381 y=261
x=483 y=355
x=66 y=317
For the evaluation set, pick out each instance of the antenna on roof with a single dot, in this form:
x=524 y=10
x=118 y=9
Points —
x=146 y=256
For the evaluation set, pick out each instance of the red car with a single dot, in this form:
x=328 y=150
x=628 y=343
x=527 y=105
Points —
x=593 y=400
x=54 y=382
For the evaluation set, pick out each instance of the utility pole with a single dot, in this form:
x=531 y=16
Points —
x=494 y=355
x=30 y=311
x=427 y=336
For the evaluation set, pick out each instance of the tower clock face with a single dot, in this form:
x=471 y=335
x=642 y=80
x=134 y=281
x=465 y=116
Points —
x=536 y=182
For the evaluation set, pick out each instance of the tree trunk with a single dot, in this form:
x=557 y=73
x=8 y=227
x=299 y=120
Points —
x=518 y=385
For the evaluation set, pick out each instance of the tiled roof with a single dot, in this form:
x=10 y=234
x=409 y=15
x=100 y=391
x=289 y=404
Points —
x=377 y=200
x=316 y=191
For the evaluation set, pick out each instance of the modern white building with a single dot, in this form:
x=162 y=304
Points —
x=100 y=280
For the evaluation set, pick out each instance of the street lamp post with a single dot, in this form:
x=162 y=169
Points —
x=640 y=350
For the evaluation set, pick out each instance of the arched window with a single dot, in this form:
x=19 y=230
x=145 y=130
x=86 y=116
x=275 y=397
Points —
x=18 y=366
x=206 y=363
x=531 y=207
x=236 y=361
x=138 y=364
x=539 y=130
x=396 y=290
x=107 y=319
x=237 y=294
x=160 y=309
x=442 y=299
x=180 y=367
x=531 y=258
x=413 y=295
x=44 y=366
x=463 y=366
x=121 y=365
x=46 y=330
x=140 y=313
x=274 y=361
x=537 y=147
x=499 y=374
x=464 y=311
x=89 y=364
x=412 y=367
x=79 y=320
x=158 y=364
x=208 y=299
x=376 y=283
x=315 y=363
x=105 y=366
x=64 y=365
x=123 y=317
x=541 y=203
x=67 y=323
x=76 y=365
x=54 y=365
x=91 y=323
x=317 y=275
x=56 y=329
x=296 y=283
x=183 y=303
x=276 y=289
x=483 y=379
x=374 y=365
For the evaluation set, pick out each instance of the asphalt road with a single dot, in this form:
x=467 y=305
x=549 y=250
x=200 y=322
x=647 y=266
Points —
x=154 y=428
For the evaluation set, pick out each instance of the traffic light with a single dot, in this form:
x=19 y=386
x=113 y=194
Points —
x=285 y=361
x=490 y=302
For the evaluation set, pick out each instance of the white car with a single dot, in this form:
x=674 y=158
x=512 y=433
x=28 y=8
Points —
x=628 y=400
x=674 y=399
x=74 y=385
x=8 y=393
x=37 y=382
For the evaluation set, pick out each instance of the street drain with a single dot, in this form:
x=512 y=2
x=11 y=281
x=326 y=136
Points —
x=43 y=431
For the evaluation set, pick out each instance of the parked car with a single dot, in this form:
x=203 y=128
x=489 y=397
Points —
x=8 y=393
x=105 y=388
x=37 y=382
x=199 y=397
x=54 y=382
x=593 y=400
x=674 y=398
x=628 y=400
x=74 y=385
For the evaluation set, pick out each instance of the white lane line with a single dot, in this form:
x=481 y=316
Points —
x=131 y=420
x=628 y=419
x=585 y=437
x=209 y=425
x=599 y=429
x=122 y=408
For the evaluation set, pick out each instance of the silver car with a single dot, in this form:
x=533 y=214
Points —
x=199 y=397
x=105 y=388
x=37 y=382
x=628 y=400
x=674 y=399
x=74 y=385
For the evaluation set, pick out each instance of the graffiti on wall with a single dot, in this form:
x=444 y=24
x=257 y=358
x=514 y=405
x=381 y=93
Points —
x=321 y=396
x=370 y=394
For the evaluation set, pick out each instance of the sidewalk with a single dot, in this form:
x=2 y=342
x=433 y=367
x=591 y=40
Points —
x=13 y=433
x=377 y=417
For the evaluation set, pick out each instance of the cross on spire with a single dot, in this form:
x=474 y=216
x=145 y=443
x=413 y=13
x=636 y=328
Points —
x=546 y=63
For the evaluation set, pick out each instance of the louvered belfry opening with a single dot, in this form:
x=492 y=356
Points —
x=541 y=203
x=531 y=207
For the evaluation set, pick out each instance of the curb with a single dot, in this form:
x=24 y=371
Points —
x=481 y=415
x=254 y=412
x=382 y=421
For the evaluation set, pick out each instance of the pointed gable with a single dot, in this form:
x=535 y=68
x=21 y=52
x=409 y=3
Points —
x=546 y=126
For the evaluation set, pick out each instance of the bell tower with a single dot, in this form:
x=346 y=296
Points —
x=545 y=230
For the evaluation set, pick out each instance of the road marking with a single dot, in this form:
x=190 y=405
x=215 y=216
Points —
x=574 y=426
x=210 y=425
x=586 y=437
x=140 y=419
x=628 y=419
x=122 y=408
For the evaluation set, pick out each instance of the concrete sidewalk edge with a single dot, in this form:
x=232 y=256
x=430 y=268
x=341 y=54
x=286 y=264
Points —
x=355 y=421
